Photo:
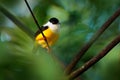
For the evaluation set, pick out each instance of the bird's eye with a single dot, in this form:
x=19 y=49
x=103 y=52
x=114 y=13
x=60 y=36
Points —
x=54 y=20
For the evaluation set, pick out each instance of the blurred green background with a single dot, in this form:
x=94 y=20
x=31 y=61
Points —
x=79 y=19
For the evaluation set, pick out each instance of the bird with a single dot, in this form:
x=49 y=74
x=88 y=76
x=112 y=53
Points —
x=51 y=32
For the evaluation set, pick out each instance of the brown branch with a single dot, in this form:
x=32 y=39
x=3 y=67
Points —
x=17 y=22
x=92 y=40
x=95 y=59
x=37 y=23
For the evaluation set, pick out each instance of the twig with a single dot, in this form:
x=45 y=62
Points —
x=17 y=22
x=37 y=23
x=92 y=40
x=95 y=59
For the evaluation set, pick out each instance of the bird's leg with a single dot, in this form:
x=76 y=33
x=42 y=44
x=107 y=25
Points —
x=48 y=49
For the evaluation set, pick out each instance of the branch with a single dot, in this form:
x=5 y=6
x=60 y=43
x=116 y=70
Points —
x=95 y=59
x=92 y=40
x=17 y=22
x=37 y=23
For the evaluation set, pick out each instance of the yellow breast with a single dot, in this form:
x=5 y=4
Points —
x=50 y=35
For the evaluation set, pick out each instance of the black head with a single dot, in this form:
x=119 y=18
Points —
x=54 y=20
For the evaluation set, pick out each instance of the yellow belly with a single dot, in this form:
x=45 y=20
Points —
x=51 y=38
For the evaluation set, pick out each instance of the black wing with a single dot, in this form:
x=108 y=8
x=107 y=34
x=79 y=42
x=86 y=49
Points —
x=43 y=28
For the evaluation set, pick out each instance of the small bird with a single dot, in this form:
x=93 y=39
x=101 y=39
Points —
x=50 y=31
